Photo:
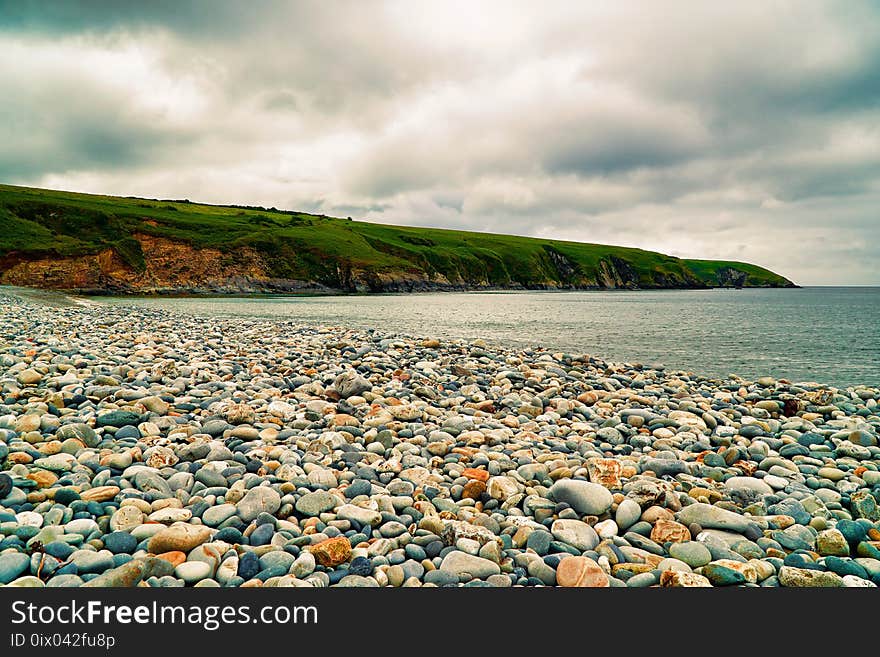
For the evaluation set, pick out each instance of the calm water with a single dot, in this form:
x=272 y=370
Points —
x=829 y=335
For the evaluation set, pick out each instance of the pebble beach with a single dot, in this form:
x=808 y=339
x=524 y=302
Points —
x=143 y=447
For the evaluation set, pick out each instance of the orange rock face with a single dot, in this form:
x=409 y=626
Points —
x=175 y=557
x=589 y=398
x=475 y=473
x=100 y=493
x=332 y=552
x=605 y=472
x=473 y=489
x=580 y=572
x=44 y=478
x=669 y=531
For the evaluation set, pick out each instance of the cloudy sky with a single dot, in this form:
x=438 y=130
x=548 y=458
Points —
x=746 y=131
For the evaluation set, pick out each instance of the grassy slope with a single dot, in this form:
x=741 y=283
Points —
x=36 y=222
x=707 y=270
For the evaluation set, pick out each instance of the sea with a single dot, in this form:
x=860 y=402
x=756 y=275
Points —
x=828 y=335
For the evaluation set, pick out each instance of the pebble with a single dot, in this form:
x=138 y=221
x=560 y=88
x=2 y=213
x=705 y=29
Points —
x=581 y=572
x=12 y=564
x=193 y=571
x=627 y=514
x=178 y=537
x=120 y=542
x=5 y=485
x=692 y=553
x=583 y=496
x=575 y=533
x=460 y=563
x=260 y=499
x=216 y=515
x=314 y=504
x=800 y=577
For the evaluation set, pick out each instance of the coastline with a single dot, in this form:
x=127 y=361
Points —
x=187 y=450
x=258 y=291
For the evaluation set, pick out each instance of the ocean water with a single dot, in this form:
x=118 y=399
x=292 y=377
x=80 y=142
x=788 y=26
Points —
x=828 y=335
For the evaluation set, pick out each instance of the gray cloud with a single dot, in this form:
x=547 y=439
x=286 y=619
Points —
x=705 y=130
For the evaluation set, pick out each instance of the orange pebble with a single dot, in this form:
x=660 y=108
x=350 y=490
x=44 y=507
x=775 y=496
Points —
x=476 y=473
x=175 y=557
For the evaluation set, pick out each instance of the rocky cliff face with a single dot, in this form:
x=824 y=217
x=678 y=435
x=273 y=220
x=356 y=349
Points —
x=730 y=277
x=170 y=266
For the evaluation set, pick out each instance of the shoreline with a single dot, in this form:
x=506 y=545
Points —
x=156 y=448
x=260 y=292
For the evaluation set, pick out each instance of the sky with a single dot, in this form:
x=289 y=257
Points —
x=740 y=131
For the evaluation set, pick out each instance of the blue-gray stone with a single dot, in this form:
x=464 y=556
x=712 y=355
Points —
x=229 y=535
x=128 y=431
x=414 y=551
x=412 y=568
x=5 y=484
x=248 y=566
x=262 y=535
x=358 y=487
x=277 y=559
x=59 y=550
x=441 y=578
x=65 y=581
x=843 y=567
x=120 y=542
x=92 y=562
x=790 y=507
x=13 y=565
x=854 y=532
x=539 y=541
x=361 y=566
x=118 y=419
x=65 y=496
x=807 y=439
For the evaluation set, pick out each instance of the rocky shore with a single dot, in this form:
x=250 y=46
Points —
x=146 y=448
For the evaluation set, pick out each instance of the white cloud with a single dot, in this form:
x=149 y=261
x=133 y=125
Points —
x=736 y=131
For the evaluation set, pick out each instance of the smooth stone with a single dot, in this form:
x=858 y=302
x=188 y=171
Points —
x=5 y=484
x=88 y=561
x=460 y=563
x=180 y=536
x=359 y=514
x=356 y=581
x=316 y=503
x=260 y=499
x=216 y=515
x=575 y=533
x=193 y=571
x=583 y=496
x=249 y=566
x=693 y=553
x=713 y=517
x=305 y=564
x=627 y=514
x=581 y=572
x=12 y=564
x=748 y=484
x=120 y=543
x=131 y=573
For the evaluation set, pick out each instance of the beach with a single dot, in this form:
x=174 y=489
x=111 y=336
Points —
x=149 y=447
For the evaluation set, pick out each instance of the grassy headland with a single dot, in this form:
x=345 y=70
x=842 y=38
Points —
x=85 y=242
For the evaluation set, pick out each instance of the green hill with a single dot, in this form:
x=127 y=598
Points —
x=90 y=243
